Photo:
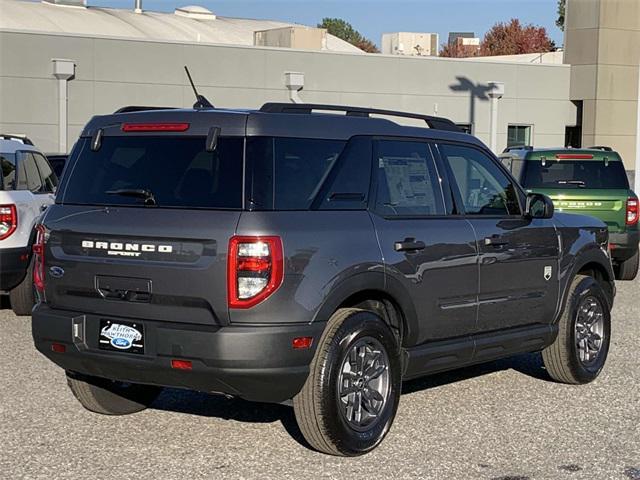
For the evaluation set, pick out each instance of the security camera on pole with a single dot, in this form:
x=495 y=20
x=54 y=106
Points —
x=495 y=93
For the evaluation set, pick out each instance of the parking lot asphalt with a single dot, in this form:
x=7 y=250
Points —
x=504 y=420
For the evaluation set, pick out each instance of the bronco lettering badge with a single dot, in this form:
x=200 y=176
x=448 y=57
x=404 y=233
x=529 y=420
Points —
x=125 y=249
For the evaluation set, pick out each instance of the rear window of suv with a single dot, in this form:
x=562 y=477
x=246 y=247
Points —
x=564 y=174
x=178 y=171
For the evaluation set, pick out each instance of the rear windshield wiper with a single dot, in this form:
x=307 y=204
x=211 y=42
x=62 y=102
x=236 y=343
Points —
x=147 y=195
x=579 y=183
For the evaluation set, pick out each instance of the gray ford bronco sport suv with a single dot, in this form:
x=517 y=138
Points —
x=294 y=255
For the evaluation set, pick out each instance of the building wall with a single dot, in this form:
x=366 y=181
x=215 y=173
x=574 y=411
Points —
x=111 y=73
x=602 y=43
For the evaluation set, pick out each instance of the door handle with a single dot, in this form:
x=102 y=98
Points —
x=409 y=245
x=495 y=241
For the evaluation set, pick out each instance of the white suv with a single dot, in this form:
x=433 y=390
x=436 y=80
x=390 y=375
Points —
x=27 y=187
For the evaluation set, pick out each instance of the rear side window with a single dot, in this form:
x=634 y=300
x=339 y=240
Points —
x=564 y=174
x=7 y=171
x=288 y=173
x=178 y=171
x=407 y=183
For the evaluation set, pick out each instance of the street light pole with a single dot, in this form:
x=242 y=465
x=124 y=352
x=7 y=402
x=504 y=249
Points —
x=495 y=93
x=636 y=187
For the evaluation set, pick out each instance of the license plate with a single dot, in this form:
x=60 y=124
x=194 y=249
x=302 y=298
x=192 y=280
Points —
x=121 y=336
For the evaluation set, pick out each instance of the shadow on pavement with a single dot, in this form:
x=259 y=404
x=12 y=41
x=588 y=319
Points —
x=4 y=302
x=209 y=405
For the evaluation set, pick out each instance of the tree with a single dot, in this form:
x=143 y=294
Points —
x=562 y=6
x=513 y=38
x=343 y=29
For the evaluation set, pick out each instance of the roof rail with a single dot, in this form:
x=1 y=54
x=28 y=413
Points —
x=437 y=123
x=601 y=147
x=137 y=108
x=20 y=138
x=517 y=147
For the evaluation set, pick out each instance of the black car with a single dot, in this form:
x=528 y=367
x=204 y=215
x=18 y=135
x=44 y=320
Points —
x=294 y=255
x=57 y=161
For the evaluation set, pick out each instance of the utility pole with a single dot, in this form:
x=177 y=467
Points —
x=495 y=93
x=636 y=187
x=64 y=70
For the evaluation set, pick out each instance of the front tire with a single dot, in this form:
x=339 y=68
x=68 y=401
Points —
x=23 y=297
x=351 y=396
x=580 y=350
x=628 y=270
x=108 y=397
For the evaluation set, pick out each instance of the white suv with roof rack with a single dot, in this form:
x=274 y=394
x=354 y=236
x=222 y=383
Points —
x=27 y=187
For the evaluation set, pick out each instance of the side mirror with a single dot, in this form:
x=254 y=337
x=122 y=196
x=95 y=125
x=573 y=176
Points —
x=538 y=206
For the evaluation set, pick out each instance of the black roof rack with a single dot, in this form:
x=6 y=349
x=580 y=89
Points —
x=517 y=147
x=137 y=108
x=437 y=123
x=601 y=147
x=20 y=138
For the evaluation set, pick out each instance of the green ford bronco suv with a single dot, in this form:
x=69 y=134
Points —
x=586 y=181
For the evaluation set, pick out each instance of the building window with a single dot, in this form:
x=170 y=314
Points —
x=465 y=127
x=519 y=135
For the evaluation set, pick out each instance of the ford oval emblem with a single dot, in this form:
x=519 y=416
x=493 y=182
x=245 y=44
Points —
x=56 y=272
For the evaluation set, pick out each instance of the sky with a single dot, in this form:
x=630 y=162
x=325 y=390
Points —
x=375 y=17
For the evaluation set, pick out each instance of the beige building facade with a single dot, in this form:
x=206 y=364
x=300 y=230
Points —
x=602 y=45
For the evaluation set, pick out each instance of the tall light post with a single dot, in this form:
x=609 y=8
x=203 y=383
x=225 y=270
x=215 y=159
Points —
x=64 y=70
x=495 y=92
x=636 y=187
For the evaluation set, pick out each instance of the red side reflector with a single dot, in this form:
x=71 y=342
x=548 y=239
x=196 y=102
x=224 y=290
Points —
x=58 y=348
x=300 y=343
x=574 y=156
x=155 y=127
x=181 y=364
x=612 y=246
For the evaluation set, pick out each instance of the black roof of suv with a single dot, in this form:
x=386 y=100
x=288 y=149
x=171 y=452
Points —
x=289 y=254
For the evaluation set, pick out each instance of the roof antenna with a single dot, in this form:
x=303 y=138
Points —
x=201 y=101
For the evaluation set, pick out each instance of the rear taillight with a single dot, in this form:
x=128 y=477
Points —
x=632 y=211
x=254 y=269
x=38 y=259
x=8 y=220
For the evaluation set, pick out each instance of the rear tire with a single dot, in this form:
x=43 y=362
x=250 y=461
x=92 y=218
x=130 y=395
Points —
x=23 y=297
x=580 y=350
x=628 y=270
x=108 y=397
x=350 y=398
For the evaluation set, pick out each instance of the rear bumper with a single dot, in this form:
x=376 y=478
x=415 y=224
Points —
x=624 y=245
x=256 y=363
x=13 y=266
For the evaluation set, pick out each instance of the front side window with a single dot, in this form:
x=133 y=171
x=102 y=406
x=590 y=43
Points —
x=49 y=178
x=407 y=183
x=484 y=188
x=34 y=183
x=177 y=171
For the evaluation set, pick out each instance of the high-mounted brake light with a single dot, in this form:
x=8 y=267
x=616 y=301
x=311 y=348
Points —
x=38 y=258
x=155 y=127
x=255 y=269
x=574 y=156
x=8 y=220
x=632 y=211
